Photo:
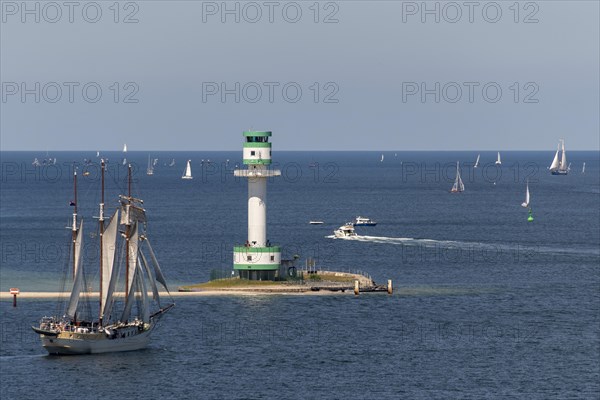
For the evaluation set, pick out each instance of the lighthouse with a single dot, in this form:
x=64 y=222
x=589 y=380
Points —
x=257 y=259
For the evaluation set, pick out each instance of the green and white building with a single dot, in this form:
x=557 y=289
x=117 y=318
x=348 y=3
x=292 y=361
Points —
x=257 y=259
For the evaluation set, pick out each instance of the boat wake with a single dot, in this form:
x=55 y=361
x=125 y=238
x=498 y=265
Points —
x=461 y=245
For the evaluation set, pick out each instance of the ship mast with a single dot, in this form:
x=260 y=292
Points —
x=74 y=226
x=127 y=232
x=101 y=223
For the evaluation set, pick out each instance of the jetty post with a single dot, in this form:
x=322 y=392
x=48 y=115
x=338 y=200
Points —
x=14 y=292
x=390 y=288
x=356 y=287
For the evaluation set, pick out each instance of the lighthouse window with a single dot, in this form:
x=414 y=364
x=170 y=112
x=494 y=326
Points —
x=272 y=258
x=249 y=258
x=253 y=153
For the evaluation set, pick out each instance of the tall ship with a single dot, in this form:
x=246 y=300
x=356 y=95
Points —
x=559 y=165
x=129 y=305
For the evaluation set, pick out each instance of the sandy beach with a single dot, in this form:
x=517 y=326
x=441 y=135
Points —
x=200 y=293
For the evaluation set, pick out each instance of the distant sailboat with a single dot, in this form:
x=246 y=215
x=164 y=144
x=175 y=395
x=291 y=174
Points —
x=560 y=167
x=97 y=154
x=172 y=164
x=125 y=151
x=381 y=158
x=583 y=168
x=498 y=162
x=477 y=161
x=188 y=171
x=150 y=169
x=526 y=202
x=458 y=183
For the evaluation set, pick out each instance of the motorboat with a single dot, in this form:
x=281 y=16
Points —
x=362 y=221
x=346 y=230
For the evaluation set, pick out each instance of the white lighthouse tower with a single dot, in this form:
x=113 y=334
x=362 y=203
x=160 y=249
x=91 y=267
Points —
x=257 y=259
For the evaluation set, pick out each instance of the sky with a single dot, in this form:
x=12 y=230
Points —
x=341 y=75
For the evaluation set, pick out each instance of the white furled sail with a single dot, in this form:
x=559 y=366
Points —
x=526 y=202
x=477 y=161
x=583 y=168
x=78 y=278
x=498 y=162
x=125 y=148
x=109 y=242
x=130 y=213
x=458 y=183
x=188 y=171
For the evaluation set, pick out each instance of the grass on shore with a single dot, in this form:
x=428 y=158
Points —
x=228 y=283
x=239 y=283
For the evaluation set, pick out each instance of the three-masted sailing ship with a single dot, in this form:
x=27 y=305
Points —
x=118 y=325
x=560 y=166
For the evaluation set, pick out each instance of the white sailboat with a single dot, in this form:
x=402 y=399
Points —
x=124 y=151
x=113 y=328
x=583 y=168
x=188 y=171
x=458 y=183
x=477 y=161
x=381 y=158
x=172 y=163
x=498 y=162
x=150 y=169
x=526 y=202
x=559 y=165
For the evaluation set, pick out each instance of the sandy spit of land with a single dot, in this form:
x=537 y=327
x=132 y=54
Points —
x=198 y=293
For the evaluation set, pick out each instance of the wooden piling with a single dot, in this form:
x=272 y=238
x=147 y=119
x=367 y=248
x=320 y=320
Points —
x=14 y=292
x=356 y=287
x=390 y=288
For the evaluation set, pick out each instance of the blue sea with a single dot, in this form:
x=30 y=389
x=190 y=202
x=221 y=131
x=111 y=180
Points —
x=486 y=304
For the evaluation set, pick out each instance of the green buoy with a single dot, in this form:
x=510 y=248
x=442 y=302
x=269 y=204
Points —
x=530 y=217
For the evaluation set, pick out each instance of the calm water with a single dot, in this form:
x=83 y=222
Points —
x=487 y=305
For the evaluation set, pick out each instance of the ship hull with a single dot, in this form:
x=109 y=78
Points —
x=72 y=343
x=559 y=172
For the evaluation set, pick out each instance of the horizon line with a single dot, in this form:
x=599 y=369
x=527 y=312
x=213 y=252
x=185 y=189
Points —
x=287 y=150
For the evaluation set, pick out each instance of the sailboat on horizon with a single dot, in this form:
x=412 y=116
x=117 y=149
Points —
x=150 y=169
x=124 y=156
x=115 y=327
x=527 y=198
x=498 y=162
x=583 y=168
x=560 y=167
x=458 y=183
x=477 y=161
x=187 y=174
